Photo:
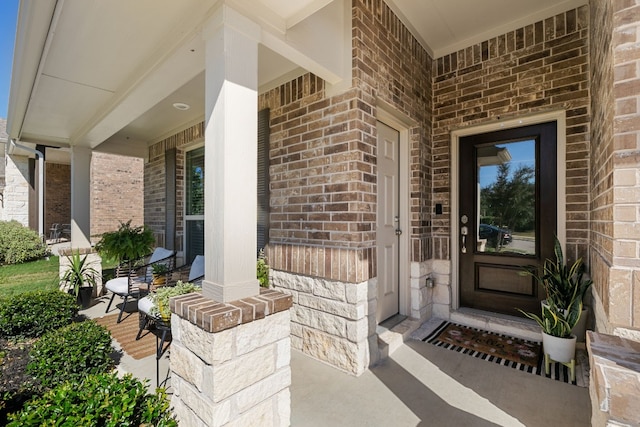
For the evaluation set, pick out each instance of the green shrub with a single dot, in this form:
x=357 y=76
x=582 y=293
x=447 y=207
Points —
x=19 y=244
x=262 y=269
x=71 y=353
x=100 y=400
x=32 y=314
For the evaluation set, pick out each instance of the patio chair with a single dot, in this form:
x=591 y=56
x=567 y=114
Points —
x=54 y=232
x=133 y=280
x=193 y=273
x=65 y=231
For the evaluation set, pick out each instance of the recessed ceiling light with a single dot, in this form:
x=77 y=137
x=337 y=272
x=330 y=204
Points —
x=181 y=106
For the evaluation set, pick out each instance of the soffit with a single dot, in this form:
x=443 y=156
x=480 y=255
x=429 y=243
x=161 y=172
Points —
x=445 y=26
x=111 y=70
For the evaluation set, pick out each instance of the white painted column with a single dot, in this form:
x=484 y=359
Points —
x=80 y=197
x=231 y=120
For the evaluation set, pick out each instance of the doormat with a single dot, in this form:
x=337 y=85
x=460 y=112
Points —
x=125 y=334
x=515 y=353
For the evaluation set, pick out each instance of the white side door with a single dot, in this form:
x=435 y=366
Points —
x=388 y=221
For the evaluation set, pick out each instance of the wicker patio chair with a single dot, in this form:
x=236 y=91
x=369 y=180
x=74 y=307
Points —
x=133 y=280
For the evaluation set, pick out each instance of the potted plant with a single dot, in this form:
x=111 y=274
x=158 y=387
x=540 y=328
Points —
x=563 y=284
x=556 y=324
x=127 y=244
x=80 y=278
x=161 y=297
x=159 y=274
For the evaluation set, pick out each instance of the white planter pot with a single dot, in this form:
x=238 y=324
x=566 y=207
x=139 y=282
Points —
x=559 y=349
x=580 y=329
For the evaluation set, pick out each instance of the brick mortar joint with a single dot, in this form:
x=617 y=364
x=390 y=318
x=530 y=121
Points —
x=197 y=309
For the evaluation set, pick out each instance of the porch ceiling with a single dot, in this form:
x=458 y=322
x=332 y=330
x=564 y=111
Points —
x=445 y=26
x=106 y=74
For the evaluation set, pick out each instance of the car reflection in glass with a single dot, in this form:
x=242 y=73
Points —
x=493 y=234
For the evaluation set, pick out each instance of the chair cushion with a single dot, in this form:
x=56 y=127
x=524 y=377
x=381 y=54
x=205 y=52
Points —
x=119 y=285
x=145 y=305
x=157 y=255
x=160 y=253
x=197 y=268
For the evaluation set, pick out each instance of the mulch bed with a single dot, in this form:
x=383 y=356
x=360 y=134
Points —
x=16 y=386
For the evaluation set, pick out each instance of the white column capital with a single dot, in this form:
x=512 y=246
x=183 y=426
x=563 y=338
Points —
x=227 y=17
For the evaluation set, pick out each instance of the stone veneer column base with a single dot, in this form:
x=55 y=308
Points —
x=230 y=362
x=614 y=384
x=332 y=321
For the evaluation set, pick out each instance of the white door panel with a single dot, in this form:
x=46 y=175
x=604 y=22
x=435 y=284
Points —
x=388 y=222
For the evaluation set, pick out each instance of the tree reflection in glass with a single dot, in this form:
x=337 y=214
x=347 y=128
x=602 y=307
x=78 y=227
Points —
x=507 y=197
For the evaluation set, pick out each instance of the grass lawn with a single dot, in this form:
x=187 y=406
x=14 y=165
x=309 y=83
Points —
x=30 y=276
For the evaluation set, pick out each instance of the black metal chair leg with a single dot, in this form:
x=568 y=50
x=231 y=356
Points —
x=159 y=353
x=124 y=304
x=143 y=326
x=110 y=301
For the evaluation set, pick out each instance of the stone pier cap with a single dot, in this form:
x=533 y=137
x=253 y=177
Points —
x=213 y=316
x=614 y=385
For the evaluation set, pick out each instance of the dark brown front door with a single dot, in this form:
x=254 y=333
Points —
x=507 y=216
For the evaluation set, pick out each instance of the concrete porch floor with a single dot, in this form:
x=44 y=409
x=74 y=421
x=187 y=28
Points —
x=418 y=384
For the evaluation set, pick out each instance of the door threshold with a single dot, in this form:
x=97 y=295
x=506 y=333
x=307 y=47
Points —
x=497 y=322
x=390 y=323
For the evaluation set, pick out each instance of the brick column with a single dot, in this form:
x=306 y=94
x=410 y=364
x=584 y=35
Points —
x=230 y=362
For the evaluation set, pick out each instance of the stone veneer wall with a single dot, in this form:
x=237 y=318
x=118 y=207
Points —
x=16 y=191
x=57 y=195
x=322 y=246
x=615 y=238
x=116 y=191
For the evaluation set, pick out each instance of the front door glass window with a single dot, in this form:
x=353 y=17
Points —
x=506 y=198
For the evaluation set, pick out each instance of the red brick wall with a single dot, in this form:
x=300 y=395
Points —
x=323 y=154
x=541 y=67
x=390 y=65
x=117 y=190
x=615 y=194
x=602 y=111
x=154 y=179
x=57 y=195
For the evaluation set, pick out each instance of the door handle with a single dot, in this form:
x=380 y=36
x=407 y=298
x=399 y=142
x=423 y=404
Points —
x=464 y=230
x=398 y=232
